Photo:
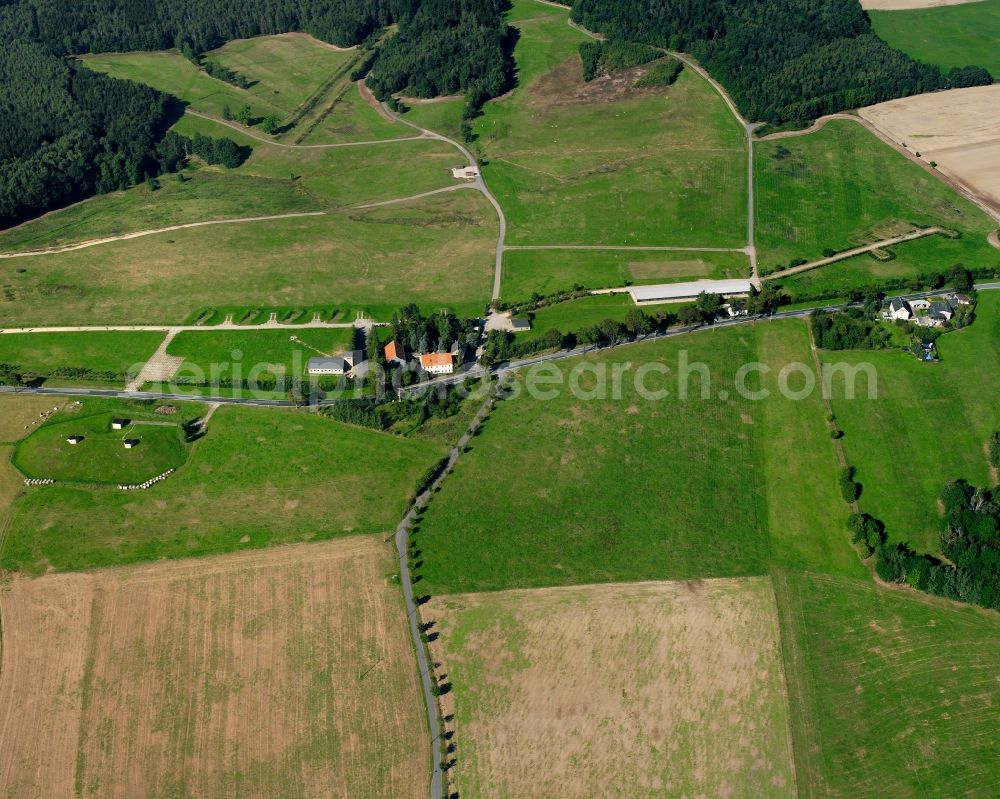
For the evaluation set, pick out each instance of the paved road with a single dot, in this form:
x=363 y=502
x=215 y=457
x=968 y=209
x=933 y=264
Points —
x=613 y=247
x=474 y=372
x=427 y=677
x=479 y=184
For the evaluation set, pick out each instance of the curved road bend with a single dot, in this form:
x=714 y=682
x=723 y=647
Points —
x=479 y=184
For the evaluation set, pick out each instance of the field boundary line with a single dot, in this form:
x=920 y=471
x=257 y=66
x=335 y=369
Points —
x=424 y=664
x=841 y=256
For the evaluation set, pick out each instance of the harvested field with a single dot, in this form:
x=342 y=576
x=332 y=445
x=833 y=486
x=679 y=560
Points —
x=959 y=130
x=286 y=673
x=670 y=689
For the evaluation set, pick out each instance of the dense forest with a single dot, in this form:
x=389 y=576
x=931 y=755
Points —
x=781 y=60
x=67 y=133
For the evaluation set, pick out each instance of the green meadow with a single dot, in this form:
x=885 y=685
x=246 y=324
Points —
x=928 y=425
x=528 y=272
x=892 y=693
x=274 y=351
x=570 y=490
x=259 y=477
x=576 y=163
x=206 y=193
x=99 y=351
x=436 y=251
x=948 y=36
x=574 y=315
x=841 y=187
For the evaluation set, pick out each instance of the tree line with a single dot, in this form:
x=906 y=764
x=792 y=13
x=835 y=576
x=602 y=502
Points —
x=783 y=61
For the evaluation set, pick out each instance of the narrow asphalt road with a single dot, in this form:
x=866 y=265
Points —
x=479 y=184
x=427 y=677
x=474 y=372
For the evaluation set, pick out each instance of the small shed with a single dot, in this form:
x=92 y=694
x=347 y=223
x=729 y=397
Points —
x=131 y=443
x=119 y=424
x=74 y=440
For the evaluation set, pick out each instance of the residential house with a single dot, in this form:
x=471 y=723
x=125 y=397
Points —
x=119 y=424
x=959 y=299
x=941 y=310
x=520 y=325
x=395 y=353
x=437 y=363
x=899 y=309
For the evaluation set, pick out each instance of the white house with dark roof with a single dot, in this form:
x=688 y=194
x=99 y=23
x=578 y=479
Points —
x=899 y=309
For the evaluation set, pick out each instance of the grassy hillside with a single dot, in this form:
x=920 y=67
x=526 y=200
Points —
x=841 y=187
x=605 y=163
x=437 y=251
x=949 y=36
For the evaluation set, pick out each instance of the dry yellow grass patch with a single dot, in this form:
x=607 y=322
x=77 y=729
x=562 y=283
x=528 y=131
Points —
x=280 y=673
x=633 y=690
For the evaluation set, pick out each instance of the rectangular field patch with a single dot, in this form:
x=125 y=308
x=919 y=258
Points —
x=671 y=689
x=647 y=270
x=264 y=674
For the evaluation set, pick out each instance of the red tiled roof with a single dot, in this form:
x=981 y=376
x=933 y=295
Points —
x=392 y=352
x=437 y=359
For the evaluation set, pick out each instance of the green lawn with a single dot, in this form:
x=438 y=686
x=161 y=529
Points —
x=259 y=477
x=223 y=352
x=949 y=36
x=104 y=351
x=929 y=425
x=576 y=163
x=841 y=187
x=101 y=457
x=437 y=252
x=527 y=272
x=172 y=73
x=806 y=515
x=574 y=315
x=566 y=490
x=891 y=693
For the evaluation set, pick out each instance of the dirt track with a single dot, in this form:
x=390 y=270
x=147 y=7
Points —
x=284 y=672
